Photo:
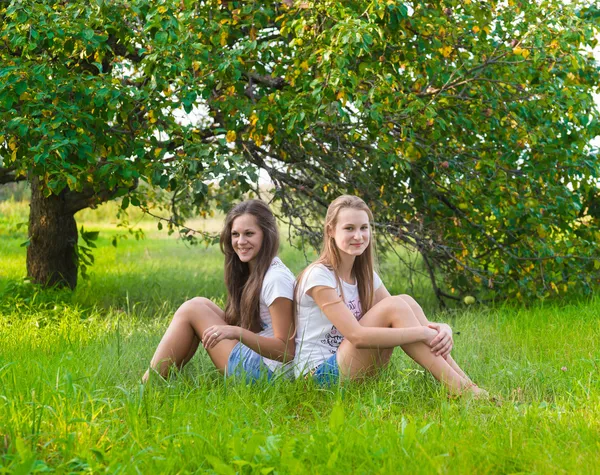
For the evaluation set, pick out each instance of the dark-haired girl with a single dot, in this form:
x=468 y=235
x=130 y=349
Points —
x=253 y=336
x=347 y=322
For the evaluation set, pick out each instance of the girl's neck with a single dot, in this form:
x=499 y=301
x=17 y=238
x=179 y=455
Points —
x=345 y=268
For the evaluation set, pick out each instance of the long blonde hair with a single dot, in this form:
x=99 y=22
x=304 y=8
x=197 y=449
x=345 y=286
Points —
x=243 y=286
x=364 y=264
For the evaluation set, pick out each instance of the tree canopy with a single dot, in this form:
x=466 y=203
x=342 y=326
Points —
x=466 y=126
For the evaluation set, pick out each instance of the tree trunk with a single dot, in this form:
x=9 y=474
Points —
x=53 y=236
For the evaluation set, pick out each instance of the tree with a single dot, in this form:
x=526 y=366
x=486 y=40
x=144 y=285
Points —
x=465 y=125
x=87 y=94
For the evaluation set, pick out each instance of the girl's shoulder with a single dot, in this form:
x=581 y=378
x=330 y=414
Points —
x=318 y=271
x=277 y=267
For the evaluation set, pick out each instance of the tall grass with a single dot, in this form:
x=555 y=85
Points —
x=71 y=401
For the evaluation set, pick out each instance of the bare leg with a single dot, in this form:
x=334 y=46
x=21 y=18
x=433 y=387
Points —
x=394 y=312
x=418 y=312
x=183 y=336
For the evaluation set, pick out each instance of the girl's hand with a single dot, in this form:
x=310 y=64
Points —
x=216 y=333
x=429 y=334
x=442 y=344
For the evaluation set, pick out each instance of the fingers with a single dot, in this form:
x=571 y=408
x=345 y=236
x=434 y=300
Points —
x=439 y=341
x=211 y=337
x=209 y=331
x=438 y=337
x=445 y=350
x=437 y=347
x=443 y=346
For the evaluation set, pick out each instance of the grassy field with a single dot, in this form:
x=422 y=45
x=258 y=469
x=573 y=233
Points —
x=71 y=401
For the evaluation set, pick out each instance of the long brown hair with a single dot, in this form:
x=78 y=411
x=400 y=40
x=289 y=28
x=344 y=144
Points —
x=364 y=264
x=243 y=286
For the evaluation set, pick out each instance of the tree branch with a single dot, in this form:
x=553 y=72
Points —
x=7 y=175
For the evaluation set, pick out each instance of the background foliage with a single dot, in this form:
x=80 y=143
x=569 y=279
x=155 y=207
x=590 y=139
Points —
x=465 y=125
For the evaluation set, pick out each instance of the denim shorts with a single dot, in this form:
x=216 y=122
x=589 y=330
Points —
x=247 y=364
x=327 y=373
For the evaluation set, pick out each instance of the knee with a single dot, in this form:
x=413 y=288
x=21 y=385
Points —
x=397 y=303
x=409 y=300
x=402 y=308
x=199 y=302
x=197 y=305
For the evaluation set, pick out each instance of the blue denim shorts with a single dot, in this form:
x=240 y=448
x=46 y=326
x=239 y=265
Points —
x=327 y=373
x=247 y=364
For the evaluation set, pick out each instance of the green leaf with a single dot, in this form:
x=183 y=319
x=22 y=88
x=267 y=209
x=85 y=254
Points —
x=336 y=418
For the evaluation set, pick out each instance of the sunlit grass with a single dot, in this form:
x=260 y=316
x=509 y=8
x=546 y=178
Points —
x=71 y=401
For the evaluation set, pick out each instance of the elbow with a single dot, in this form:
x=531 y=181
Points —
x=288 y=354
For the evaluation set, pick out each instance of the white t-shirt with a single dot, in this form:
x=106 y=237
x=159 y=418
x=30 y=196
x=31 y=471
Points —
x=278 y=282
x=316 y=337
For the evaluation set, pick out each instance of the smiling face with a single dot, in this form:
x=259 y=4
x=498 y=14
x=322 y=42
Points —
x=246 y=237
x=352 y=231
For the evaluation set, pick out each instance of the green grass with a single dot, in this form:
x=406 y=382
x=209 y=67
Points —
x=70 y=398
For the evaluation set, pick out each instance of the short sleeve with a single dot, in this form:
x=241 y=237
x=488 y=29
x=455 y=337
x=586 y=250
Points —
x=279 y=282
x=376 y=281
x=318 y=275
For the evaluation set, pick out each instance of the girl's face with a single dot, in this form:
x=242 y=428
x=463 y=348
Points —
x=246 y=237
x=352 y=231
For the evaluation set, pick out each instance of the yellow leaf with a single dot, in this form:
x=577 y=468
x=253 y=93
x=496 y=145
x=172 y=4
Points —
x=304 y=65
x=446 y=51
x=12 y=144
x=157 y=152
x=325 y=188
x=270 y=129
x=476 y=29
x=1 y=138
x=381 y=190
x=253 y=119
x=231 y=136
x=162 y=9
x=224 y=36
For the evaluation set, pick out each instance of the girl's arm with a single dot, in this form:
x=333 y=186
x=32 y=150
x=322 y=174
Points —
x=279 y=347
x=443 y=342
x=364 y=337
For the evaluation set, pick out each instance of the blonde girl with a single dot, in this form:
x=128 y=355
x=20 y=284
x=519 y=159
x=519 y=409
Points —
x=348 y=324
